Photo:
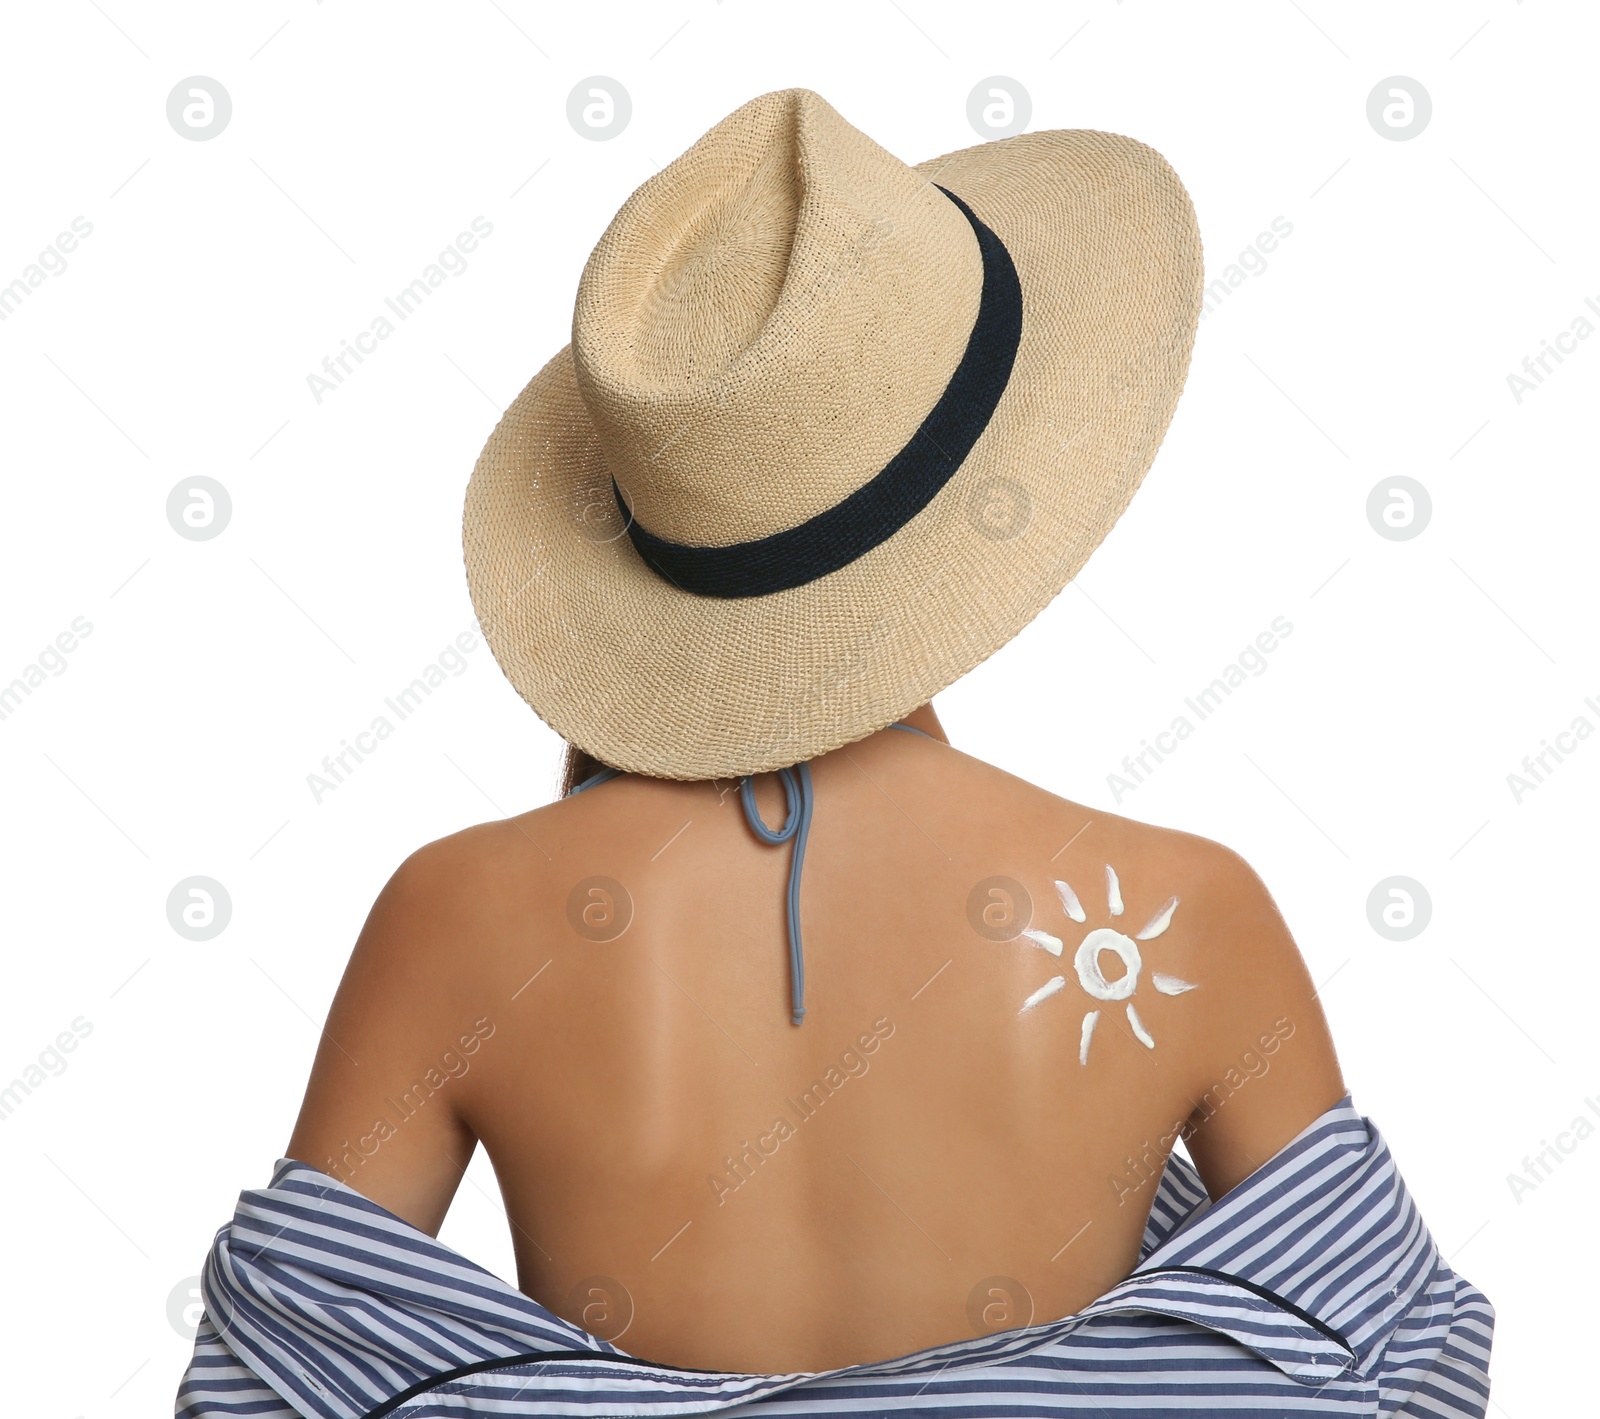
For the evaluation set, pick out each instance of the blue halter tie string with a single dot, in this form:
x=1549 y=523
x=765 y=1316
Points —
x=800 y=800
x=796 y=825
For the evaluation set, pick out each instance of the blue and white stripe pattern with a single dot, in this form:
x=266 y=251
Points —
x=1312 y=1288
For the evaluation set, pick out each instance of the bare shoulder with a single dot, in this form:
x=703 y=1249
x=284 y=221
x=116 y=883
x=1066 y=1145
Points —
x=389 y=1107
x=458 y=891
x=1222 y=977
x=1262 y=1061
x=1218 y=887
x=455 y=871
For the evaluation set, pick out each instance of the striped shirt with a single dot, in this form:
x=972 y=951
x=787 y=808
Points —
x=1311 y=1288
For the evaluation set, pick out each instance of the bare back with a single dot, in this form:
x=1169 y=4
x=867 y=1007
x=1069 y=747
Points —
x=600 y=989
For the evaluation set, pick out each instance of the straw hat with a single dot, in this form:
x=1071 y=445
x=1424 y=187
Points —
x=831 y=430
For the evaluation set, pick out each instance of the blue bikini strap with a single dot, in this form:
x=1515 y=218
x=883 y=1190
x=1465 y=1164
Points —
x=800 y=801
x=797 y=825
x=592 y=780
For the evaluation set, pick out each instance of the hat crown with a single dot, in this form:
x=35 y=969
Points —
x=767 y=320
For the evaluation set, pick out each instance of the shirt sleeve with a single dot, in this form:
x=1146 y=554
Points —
x=218 y=1384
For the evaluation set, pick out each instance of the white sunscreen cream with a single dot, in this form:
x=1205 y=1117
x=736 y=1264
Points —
x=1137 y=1025
x=1160 y=921
x=1113 y=891
x=1052 y=944
x=1044 y=992
x=1069 y=901
x=1089 y=1022
x=1087 y=960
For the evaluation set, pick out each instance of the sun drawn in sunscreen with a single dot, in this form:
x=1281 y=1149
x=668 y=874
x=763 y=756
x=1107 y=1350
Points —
x=1086 y=960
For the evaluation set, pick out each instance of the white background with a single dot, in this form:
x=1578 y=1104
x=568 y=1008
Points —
x=178 y=739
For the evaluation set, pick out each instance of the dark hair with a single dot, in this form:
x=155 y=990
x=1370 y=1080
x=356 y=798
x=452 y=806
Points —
x=576 y=765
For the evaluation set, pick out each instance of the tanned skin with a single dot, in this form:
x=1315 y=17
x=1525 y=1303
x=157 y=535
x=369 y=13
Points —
x=629 y=1091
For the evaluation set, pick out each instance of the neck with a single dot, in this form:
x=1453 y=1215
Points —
x=927 y=721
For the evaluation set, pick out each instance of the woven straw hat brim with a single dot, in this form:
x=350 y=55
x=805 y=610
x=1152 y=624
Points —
x=659 y=681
